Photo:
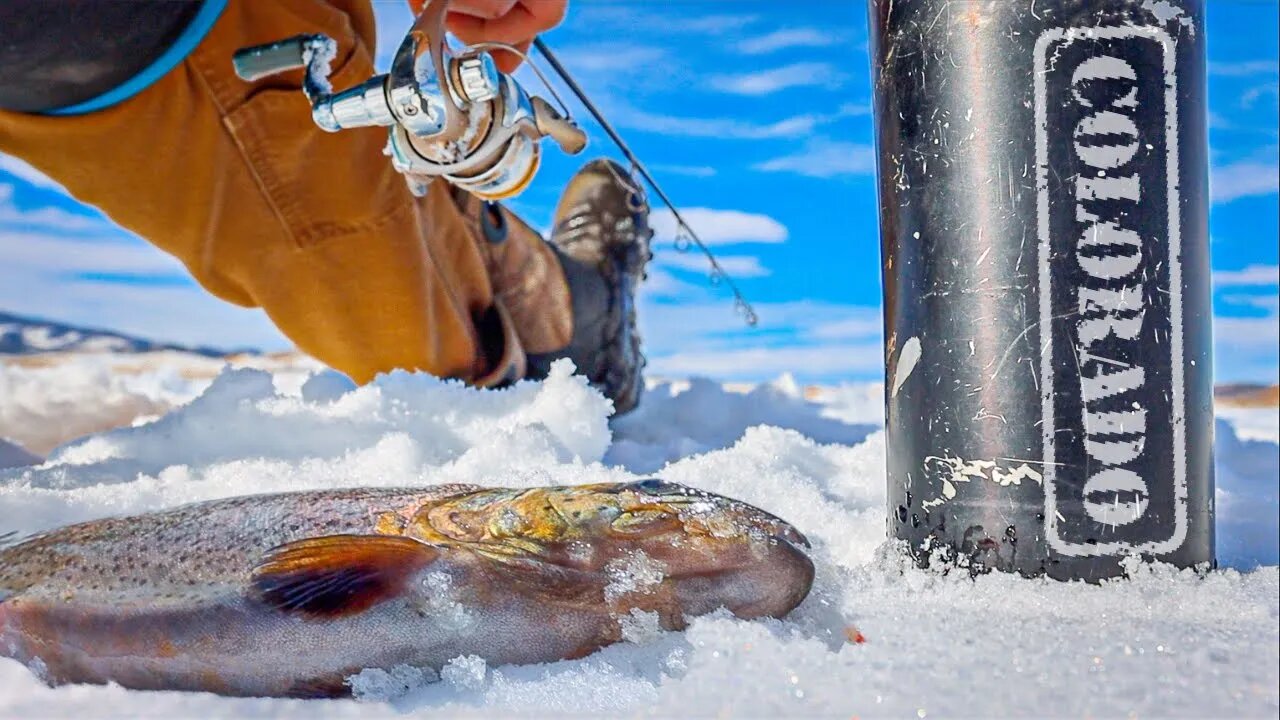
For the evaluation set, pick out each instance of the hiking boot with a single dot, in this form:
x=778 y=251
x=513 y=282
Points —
x=601 y=235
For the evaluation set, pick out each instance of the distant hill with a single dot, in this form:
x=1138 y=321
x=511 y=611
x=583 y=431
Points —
x=1247 y=395
x=29 y=336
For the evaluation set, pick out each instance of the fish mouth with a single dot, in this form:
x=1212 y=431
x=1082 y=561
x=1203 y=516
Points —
x=694 y=501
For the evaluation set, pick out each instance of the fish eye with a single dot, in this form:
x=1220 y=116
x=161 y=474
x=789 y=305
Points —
x=651 y=485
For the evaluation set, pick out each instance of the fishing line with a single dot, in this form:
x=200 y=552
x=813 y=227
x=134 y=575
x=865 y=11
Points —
x=684 y=233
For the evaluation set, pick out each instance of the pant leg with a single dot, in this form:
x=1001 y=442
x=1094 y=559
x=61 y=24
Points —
x=268 y=211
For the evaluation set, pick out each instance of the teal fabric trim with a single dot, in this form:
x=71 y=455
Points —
x=195 y=32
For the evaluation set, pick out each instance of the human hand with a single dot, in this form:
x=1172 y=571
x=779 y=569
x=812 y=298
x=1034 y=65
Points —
x=515 y=22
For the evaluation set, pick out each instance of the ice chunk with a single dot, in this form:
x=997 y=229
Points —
x=634 y=573
x=465 y=672
x=326 y=386
x=374 y=684
x=443 y=604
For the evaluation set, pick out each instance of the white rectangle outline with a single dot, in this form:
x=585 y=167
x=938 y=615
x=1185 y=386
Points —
x=1175 y=292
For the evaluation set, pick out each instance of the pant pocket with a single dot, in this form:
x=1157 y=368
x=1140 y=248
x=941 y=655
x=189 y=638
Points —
x=321 y=185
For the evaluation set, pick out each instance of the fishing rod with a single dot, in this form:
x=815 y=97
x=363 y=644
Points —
x=741 y=305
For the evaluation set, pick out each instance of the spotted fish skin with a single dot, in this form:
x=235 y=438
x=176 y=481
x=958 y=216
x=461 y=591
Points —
x=159 y=601
x=288 y=594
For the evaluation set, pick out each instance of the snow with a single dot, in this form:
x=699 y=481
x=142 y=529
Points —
x=49 y=399
x=1164 y=642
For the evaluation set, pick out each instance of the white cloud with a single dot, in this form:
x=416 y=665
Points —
x=47 y=217
x=706 y=337
x=713 y=321
x=1267 y=303
x=825 y=159
x=1251 y=96
x=720 y=128
x=36 y=253
x=784 y=38
x=609 y=57
x=184 y=315
x=51 y=218
x=49 y=275
x=863 y=325
x=686 y=170
x=638 y=17
x=1251 y=275
x=720 y=227
x=794 y=127
x=737 y=266
x=845 y=361
x=1250 y=335
x=1244 y=69
x=1247 y=349
x=1218 y=121
x=767 y=82
x=53 y=264
x=24 y=171
x=1243 y=179
x=712 y=24
x=392 y=21
x=661 y=284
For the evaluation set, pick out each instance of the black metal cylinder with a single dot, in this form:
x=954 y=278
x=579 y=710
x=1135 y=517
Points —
x=1043 y=191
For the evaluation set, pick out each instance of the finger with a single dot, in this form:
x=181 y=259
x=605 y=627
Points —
x=472 y=30
x=483 y=9
x=507 y=62
x=468 y=28
x=546 y=13
x=518 y=27
x=511 y=28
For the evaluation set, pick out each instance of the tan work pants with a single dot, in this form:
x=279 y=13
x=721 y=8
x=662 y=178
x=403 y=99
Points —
x=266 y=210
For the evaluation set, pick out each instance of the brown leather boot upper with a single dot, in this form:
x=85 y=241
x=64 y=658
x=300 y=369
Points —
x=526 y=275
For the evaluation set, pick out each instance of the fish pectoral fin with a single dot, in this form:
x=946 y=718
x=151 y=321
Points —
x=338 y=575
x=545 y=580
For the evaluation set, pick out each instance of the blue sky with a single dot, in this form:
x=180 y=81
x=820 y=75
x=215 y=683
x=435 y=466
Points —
x=755 y=116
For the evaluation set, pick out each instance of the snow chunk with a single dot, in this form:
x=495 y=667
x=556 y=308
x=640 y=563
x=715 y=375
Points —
x=640 y=627
x=326 y=386
x=634 y=573
x=679 y=419
x=443 y=605
x=376 y=685
x=465 y=672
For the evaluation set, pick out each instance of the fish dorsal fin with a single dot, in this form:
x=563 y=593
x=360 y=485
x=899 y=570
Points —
x=338 y=575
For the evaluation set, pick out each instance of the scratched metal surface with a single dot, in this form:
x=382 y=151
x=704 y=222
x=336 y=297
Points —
x=1045 y=251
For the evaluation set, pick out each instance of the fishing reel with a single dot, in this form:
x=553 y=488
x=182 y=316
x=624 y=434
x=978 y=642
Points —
x=452 y=114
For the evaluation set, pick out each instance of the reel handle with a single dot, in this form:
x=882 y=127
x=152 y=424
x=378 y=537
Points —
x=259 y=61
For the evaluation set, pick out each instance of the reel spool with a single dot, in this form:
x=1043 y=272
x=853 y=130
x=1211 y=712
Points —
x=451 y=114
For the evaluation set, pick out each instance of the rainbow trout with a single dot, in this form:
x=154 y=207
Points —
x=289 y=594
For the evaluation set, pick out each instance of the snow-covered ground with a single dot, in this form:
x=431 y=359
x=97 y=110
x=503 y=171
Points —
x=1162 y=643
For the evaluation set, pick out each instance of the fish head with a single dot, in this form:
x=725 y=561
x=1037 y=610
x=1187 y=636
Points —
x=702 y=551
